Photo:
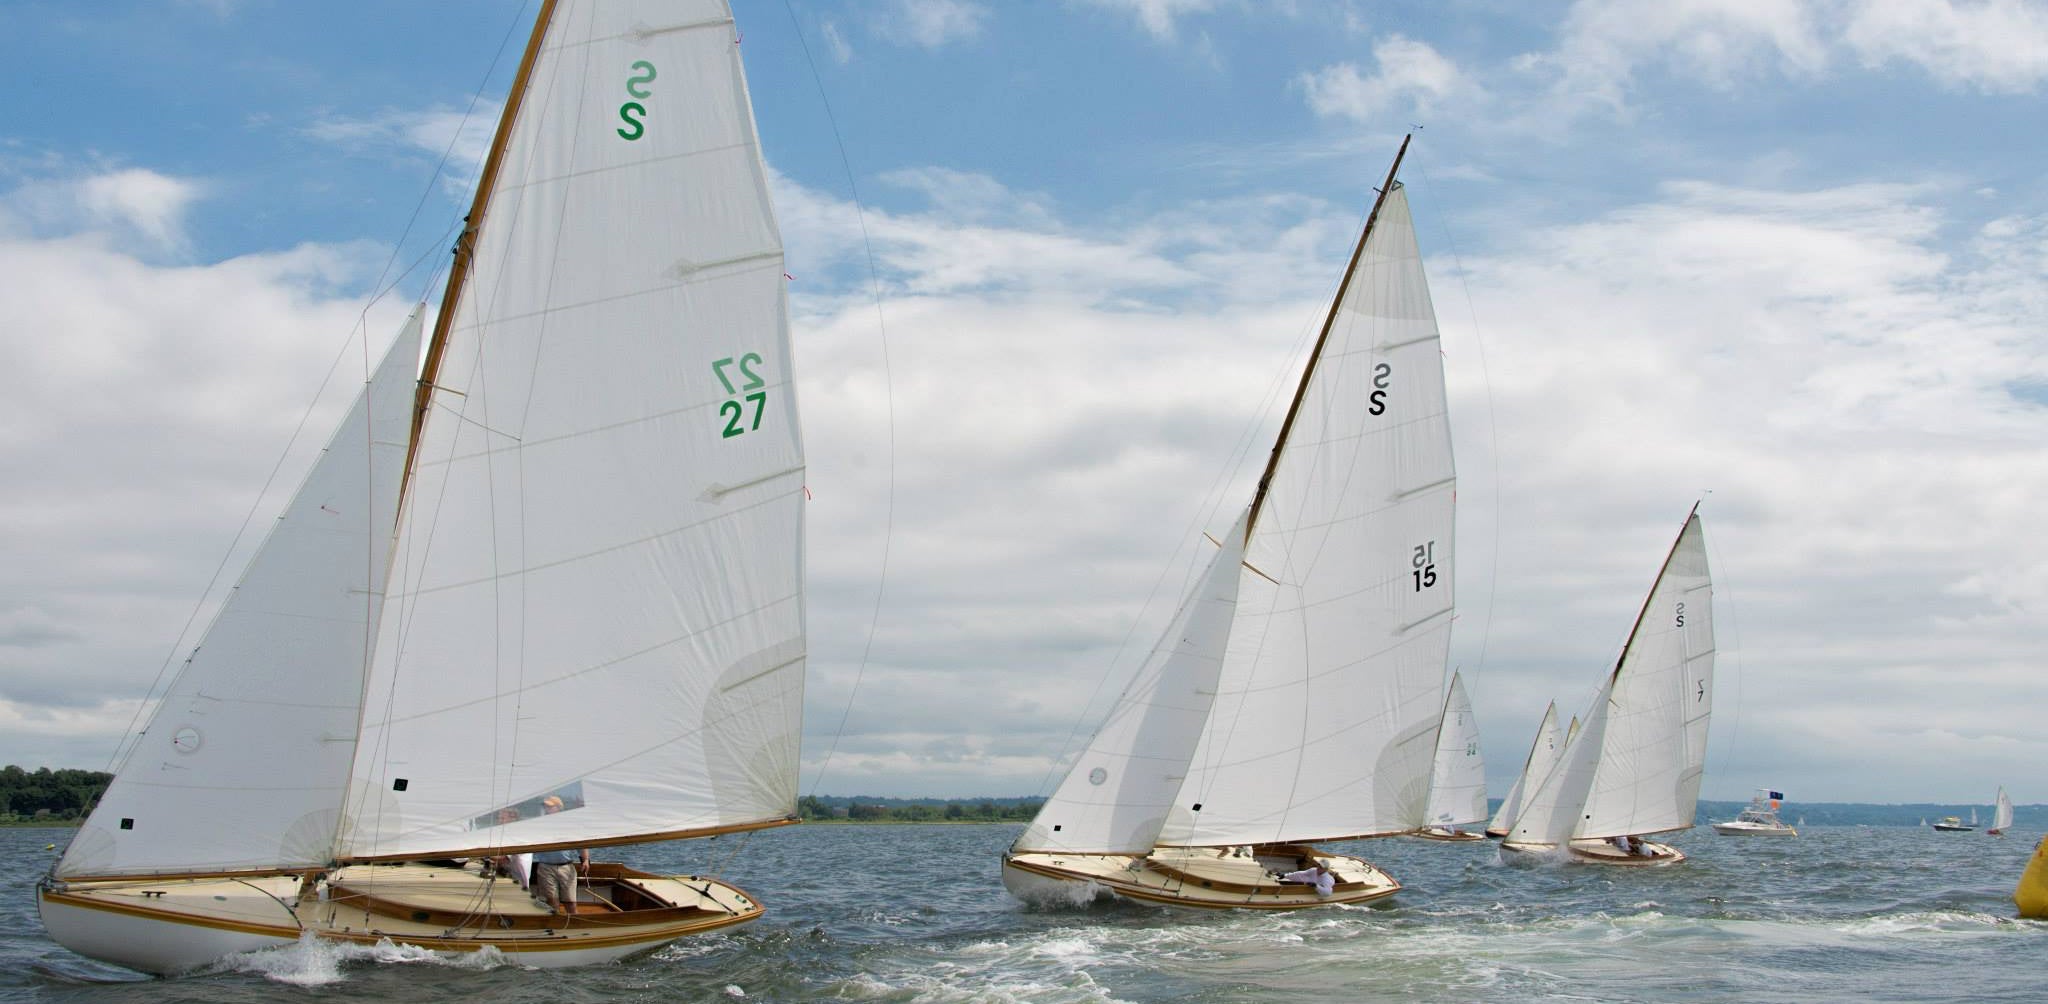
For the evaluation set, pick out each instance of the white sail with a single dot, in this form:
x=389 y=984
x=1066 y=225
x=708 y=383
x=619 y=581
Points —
x=597 y=592
x=1655 y=744
x=1457 y=784
x=1551 y=813
x=1644 y=745
x=1543 y=755
x=1325 y=721
x=1115 y=797
x=2001 y=816
x=242 y=767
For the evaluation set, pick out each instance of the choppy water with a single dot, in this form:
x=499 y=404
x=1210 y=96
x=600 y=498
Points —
x=918 y=914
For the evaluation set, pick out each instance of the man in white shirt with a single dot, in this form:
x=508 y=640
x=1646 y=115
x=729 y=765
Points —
x=1317 y=875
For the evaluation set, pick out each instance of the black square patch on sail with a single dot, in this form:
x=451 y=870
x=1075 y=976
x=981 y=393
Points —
x=398 y=785
x=127 y=823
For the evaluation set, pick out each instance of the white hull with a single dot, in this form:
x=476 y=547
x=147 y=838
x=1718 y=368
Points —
x=174 y=926
x=1447 y=834
x=1741 y=828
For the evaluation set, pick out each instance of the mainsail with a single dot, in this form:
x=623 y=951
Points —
x=243 y=763
x=1457 y=785
x=597 y=589
x=1635 y=766
x=1325 y=718
x=1542 y=756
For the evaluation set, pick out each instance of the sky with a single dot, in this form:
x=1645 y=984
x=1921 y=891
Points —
x=1055 y=266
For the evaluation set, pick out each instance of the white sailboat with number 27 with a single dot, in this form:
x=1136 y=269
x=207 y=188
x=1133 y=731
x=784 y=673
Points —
x=547 y=595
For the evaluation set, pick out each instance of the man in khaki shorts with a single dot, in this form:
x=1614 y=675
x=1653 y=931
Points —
x=555 y=871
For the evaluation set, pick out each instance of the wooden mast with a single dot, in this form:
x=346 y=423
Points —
x=1645 y=611
x=1309 y=371
x=465 y=244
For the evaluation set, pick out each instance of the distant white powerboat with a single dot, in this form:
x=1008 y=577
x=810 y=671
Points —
x=1760 y=819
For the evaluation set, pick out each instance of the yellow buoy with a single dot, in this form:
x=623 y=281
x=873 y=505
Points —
x=2032 y=894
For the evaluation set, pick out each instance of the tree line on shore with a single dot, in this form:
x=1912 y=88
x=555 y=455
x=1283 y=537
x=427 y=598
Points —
x=48 y=794
x=865 y=809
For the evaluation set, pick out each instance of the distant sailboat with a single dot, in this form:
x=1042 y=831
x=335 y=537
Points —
x=1542 y=757
x=1296 y=695
x=546 y=595
x=1457 y=785
x=2001 y=817
x=1634 y=769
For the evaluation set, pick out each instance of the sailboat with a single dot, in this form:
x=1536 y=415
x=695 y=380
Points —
x=2001 y=815
x=1295 y=696
x=545 y=595
x=1543 y=755
x=1634 y=768
x=1457 y=784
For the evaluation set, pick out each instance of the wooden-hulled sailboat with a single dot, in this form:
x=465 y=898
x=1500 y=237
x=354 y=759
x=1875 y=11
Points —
x=2001 y=814
x=546 y=595
x=1296 y=694
x=1543 y=753
x=1634 y=767
x=1457 y=784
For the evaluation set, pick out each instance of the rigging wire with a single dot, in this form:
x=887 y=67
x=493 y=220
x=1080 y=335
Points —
x=131 y=737
x=1206 y=513
x=888 y=395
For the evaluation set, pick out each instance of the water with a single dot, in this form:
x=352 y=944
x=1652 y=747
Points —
x=918 y=914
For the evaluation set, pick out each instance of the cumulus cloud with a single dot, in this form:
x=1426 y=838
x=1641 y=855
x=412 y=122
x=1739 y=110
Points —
x=1995 y=46
x=462 y=136
x=1160 y=18
x=1409 y=74
x=134 y=203
x=932 y=23
x=144 y=404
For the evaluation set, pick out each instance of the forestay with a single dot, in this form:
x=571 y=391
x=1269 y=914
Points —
x=243 y=764
x=1325 y=721
x=1116 y=795
x=1457 y=784
x=597 y=592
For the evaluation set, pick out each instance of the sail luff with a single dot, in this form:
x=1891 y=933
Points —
x=465 y=242
x=1315 y=354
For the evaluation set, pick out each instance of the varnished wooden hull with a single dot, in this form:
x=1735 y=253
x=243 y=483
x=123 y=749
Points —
x=1192 y=878
x=1600 y=852
x=1455 y=836
x=173 y=926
